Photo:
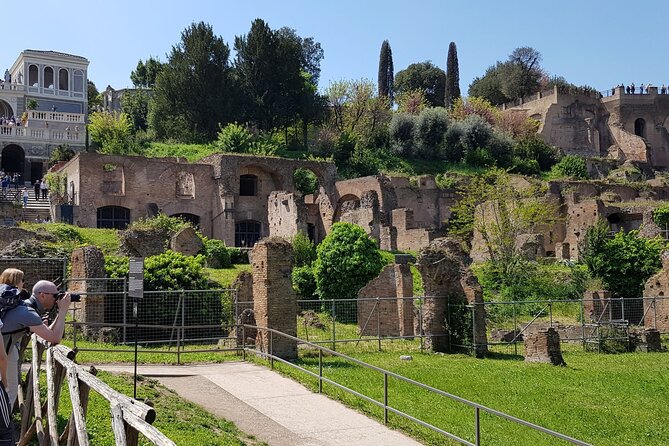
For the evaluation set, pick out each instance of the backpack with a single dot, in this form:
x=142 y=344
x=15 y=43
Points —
x=10 y=298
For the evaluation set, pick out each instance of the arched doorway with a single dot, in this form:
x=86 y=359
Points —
x=6 y=109
x=247 y=233
x=13 y=159
x=113 y=217
x=640 y=128
x=190 y=218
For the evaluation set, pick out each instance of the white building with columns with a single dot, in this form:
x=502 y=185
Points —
x=43 y=104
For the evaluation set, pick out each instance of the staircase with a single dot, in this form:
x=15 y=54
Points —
x=37 y=210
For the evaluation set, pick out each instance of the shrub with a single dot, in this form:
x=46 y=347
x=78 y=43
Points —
x=216 y=253
x=453 y=150
x=534 y=148
x=238 y=256
x=500 y=147
x=304 y=281
x=160 y=222
x=62 y=152
x=429 y=132
x=661 y=216
x=304 y=251
x=305 y=181
x=401 y=131
x=346 y=260
x=234 y=138
x=570 y=166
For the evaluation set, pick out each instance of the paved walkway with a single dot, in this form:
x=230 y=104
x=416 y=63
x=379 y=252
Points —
x=274 y=409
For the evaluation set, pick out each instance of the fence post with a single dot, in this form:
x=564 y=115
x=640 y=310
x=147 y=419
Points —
x=271 y=350
x=244 y=342
x=334 y=328
x=582 y=311
x=378 y=322
x=622 y=308
x=477 y=425
x=385 y=398
x=474 y=327
x=420 y=323
x=550 y=312
x=515 y=329
x=654 y=313
x=320 y=371
x=183 y=326
x=125 y=310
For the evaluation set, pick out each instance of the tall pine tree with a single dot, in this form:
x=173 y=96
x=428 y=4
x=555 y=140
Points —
x=386 y=69
x=452 y=76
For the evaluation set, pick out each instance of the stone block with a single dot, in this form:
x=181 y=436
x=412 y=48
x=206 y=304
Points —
x=186 y=241
x=543 y=346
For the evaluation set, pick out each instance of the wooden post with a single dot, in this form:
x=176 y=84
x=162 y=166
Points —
x=79 y=398
x=117 y=425
x=52 y=401
x=37 y=406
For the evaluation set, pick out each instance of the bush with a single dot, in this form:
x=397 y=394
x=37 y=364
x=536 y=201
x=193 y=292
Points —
x=661 y=216
x=401 y=131
x=304 y=281
x=305 y=181
x=234 y=138
x=500 y=147
x=238 y=256
x=216 y=253
x=429 y=132
x=160 y=222
x=571 y=166
x=534 y=148
x=346 y=260
x=304 y=251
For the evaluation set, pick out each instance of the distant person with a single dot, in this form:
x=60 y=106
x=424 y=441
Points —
x=663 y=89
x=25 y=197
x=641 y=89
x=44 y=188
x=632 y=88
x=37 y=187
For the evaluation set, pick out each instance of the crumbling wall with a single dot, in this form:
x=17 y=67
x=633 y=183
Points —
x=448 y=282
x=656 y=298
x=543 y=346
x=364 y=213
x=385 y=305
x=88 y=263
x=287 y=214
x=274 y=300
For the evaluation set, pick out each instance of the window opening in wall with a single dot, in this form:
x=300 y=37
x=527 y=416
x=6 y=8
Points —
x=78 y=81
x=48 y=77
x=113 y=217
x=640 y=128
x=63 y=79
x=248 y=185
x=247 y=233
x=311 y=232
x=32 y=75
x=190 y=218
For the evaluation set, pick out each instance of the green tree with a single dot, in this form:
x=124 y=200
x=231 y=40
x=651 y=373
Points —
x=520 y=75
x=624 y=262
x=452 y=76
x=386 y=72
x=146 y=73
x=426 y=77
x=346 y=260
x=401 y=130
x=571 y=166
x=193 y=91
x=94 y=97
x=430 y=130
x=62 y=152
x=268 y=67
x=135 y=104
x=111 y=132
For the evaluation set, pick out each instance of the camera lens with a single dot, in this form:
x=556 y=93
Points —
x=74 y=297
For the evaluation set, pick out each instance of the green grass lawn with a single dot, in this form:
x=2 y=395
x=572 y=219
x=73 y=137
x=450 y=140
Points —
x=601 y=399
x=183 y=422
x=225 y=276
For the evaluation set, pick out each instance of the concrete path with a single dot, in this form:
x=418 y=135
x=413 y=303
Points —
x=273 y=408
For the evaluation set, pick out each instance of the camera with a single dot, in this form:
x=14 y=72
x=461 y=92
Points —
x=74 y=297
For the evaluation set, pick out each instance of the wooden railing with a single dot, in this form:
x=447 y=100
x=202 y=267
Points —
x=129 y=417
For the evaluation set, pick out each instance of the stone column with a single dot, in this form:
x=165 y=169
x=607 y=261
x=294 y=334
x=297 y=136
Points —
x=404 y=289
x=544 y=346
x=88 y=262
x=274 y=301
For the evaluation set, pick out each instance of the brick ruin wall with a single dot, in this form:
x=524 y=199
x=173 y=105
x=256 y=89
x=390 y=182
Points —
x=656 y=298
x=385 y=305
x=543 y=346
x=88 y=264
x=287 y=214
x=274 y=300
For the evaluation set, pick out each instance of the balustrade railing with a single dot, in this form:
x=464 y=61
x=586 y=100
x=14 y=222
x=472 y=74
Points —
x=44 y=134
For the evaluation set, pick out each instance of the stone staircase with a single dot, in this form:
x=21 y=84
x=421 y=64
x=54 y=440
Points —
x=37 y=210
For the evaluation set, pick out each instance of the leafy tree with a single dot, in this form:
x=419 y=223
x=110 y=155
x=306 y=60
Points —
x=62 y=152
x=426 y=77
x=572 y=166
x=217 y=254
x=346 y=260
x=473 y=105
x=304 y=281
x=268 y=68
x=146 y=73
x=624 y=262
x=234 y=138
x=517 y=77
x=193 y=90
x=304 y=251
x=94 y=97
x=111 y=132
x=135 y=105
x=412 y=102
x=401 y=130
x=386 y=72
x=534 y=148
x=305 y=181
x=452 y=76
x=430 y=130
x=661 y=216
x=356 y=109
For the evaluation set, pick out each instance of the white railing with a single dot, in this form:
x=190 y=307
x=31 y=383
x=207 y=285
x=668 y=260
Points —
x=12 y=87
x=42 y=134
x=74 y=118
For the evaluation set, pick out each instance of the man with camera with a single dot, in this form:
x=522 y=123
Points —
x=26 y=318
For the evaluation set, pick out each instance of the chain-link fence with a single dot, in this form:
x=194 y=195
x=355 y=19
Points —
x=35 y=269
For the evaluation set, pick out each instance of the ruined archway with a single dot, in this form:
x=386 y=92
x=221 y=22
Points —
x=346 y=203
x=6 y=109
x=13 y=159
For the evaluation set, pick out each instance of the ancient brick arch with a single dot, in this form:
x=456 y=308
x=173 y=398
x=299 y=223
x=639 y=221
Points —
x=260 y=170
x=348 y=201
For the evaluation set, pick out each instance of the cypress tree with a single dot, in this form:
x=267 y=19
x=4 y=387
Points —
x=386 y=76
x=452 y=76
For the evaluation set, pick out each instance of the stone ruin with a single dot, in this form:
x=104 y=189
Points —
x=385 y=305
x=274 y=300
x=656 y=298
x=88 y=264
x=448 y=281
x=186 y=241
x=597 y=306
x=143 y=242
x=543 y=346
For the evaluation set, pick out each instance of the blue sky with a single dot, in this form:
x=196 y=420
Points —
x=588 y=42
